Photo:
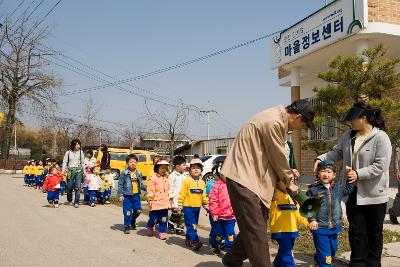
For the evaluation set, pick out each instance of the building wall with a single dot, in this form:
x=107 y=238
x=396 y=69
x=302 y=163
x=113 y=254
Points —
x=387 y=11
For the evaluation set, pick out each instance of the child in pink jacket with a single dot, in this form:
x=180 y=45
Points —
x=93 y=181
x=223 y=218
x=158 y=198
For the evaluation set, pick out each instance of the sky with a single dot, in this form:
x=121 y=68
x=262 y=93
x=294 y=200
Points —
x=128 y=38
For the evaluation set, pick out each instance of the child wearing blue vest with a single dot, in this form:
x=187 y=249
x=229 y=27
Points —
x=130 y=184
x=328 y=223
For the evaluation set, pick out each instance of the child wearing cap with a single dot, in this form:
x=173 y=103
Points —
x=130 y=184
x=221 y=212
x=110 y=185
x=105 y=185
x=31 y=173
x=327 y=224
x=94 y=184
x=38 y=172
x=175 y=184
x=158 y=198
x=191 y=197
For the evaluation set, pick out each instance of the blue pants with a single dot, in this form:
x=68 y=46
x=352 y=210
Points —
x=74 y=183
x=326 y=246
x=31 y=179
x=53 y=196
x=86 y=197
x=191 y=216
x=93 y=195
x=131 y=207
x=161 y=216
x=26 y=178
x=284 y=257
x=107 y=195
x=37 y=180
x=223 y=229
x=63 y=186
x=100 y=197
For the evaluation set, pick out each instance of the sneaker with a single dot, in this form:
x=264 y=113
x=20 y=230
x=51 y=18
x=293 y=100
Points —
x=55 y=205
x=133 y=225
x=108 y=202
x=51 y=205
x=188 y=243
x=150 y=231
x=392 y=218
x=197 y=245
x=127 y=231
x=162 y=236
x=215 y=251
x=76 y=205
x=92 y=205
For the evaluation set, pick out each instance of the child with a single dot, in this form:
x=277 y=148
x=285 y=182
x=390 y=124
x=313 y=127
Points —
x=221 y=212
x=110 y=184
x=328 y=223
x=90 y=162
x=52 y=187
x=284 y=219
x=63 y=183
x=39 y=175
x=31 y=173
x=94 y=184
x=105 y=185
x=26 y=173
x=175 y=184
x=158 y=197
x=191 y=197
x=130 y=184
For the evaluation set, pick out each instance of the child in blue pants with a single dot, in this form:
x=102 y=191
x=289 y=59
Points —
x=130 y=184
x=191 y=197
x=94 y=184
x=328 y=223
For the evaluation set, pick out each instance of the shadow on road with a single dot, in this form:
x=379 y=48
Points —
x=180 y=241
x=118 y=227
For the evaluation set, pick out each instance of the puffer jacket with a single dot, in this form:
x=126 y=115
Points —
x=158 y=192
x=94 y=182
x=330 y=214
x=51 y=182
x=219 y=202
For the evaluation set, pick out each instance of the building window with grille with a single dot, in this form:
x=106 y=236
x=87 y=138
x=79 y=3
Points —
x=327 y=131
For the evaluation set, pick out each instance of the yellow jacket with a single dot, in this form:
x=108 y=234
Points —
x=31 y=170
x=193 y=193
x=38 y=170
x=25 y=170
x=284 y=216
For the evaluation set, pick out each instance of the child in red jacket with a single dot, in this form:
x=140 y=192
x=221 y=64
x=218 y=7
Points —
x=223 y=225
x=52 y=186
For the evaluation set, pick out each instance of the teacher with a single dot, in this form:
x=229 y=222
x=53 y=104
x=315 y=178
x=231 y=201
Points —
x=366 y=152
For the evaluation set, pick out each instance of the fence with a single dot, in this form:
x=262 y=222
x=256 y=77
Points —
x=12 y=164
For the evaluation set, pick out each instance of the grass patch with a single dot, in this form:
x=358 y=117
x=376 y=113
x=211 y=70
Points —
x=305 y=244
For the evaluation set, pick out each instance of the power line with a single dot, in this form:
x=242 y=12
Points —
x=173 y=67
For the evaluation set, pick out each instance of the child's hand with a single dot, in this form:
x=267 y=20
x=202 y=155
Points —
x=206 y=207
x=121 y=198
x=180 y=208
x=313 y=225
x=215 y=218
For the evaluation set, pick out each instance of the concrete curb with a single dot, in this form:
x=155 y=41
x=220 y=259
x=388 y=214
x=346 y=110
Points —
x=2 y=171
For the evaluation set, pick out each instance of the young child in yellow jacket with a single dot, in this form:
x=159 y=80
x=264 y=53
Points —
x=284 y=219
x=191 y=197
x=26 y=173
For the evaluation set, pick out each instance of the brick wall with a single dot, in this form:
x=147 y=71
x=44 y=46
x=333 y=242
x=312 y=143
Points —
x=384 y=11
x=12 y=164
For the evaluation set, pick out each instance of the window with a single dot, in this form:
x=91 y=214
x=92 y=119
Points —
x=118 y=156
x=141 y=157
x=326 y=132
x=219 y=159
x=205 y=158
x=223 y=150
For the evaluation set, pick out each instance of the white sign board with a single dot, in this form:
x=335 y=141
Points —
x=328 y=25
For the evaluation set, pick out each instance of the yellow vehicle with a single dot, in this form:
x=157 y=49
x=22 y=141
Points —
x=118 y=163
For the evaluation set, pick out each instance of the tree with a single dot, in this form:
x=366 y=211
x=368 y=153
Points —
x=370 y=78
x=172 y=125
x=24 y=73
x=86 y=131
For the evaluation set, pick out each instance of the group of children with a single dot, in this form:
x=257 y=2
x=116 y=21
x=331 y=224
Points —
x=186 y=193
x=182 y=193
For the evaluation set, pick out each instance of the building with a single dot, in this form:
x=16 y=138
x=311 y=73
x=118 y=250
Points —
x=160 y=142
x=220 y=146
x=303 y=50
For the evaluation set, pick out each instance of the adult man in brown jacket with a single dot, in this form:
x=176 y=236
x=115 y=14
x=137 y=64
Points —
x=254 y=165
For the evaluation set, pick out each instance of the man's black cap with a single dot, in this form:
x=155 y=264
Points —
x=305 y=109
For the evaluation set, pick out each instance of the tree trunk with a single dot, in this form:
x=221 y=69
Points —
x=8 y=129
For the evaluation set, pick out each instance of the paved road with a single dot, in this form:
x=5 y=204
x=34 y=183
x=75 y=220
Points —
x=32 y=234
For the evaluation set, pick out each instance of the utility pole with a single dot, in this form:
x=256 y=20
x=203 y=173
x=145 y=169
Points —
x=15 y=137
x=208 y=112
x=100 y=137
